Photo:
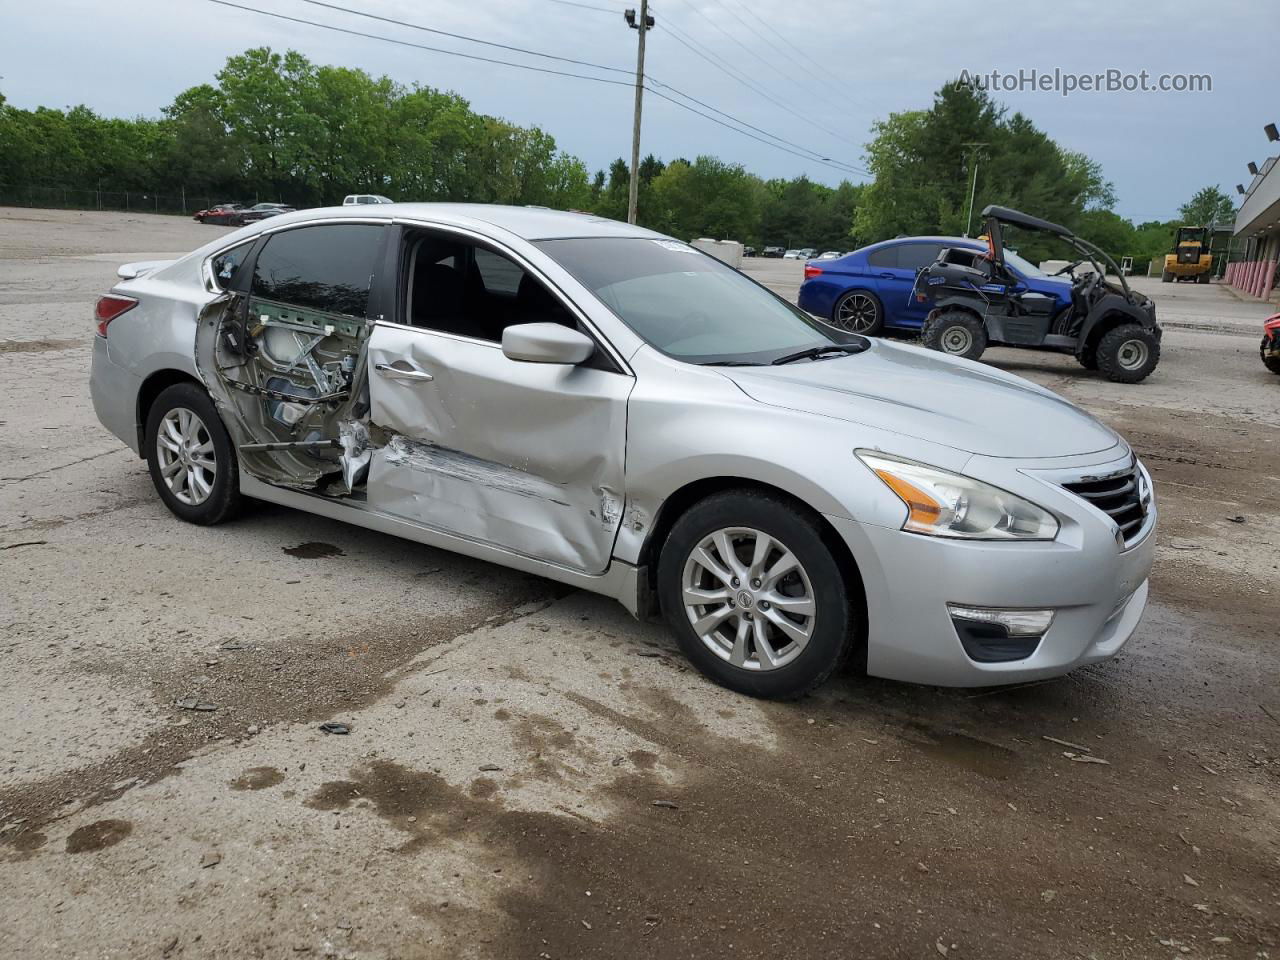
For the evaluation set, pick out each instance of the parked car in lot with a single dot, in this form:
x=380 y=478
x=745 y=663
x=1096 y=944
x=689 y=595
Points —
x=772 y=252
x=829 y=255
x=362 y=199
x=874 y=287
x=607 y=407
x=260 y=211
x=748 y=251
x=222 y=213
x=791 y=255
x=1270 y=349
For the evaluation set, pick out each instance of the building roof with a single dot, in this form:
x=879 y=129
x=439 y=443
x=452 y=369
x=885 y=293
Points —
x=1260 y=211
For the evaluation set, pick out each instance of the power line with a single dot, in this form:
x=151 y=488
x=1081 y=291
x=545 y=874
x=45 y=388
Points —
x=461 y=36
x=774 y=67
x=587 y=6
x=799 y=63
x=802 y=60
x=418 y=46
x=684 y=106
x=815 y=155
x=784 y=145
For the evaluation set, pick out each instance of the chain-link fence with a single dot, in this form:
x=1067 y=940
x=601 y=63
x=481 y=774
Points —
x=80 y=198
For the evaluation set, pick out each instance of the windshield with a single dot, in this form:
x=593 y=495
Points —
x=1024 y=267
x=688 y=304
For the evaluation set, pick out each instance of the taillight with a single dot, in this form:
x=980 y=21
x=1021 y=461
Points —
x=811 y=271
x=110 y=307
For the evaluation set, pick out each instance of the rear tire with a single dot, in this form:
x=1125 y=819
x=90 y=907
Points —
x=1088 y=358
x=858 y=311
x=1128 y=353
x=777 y=637
x=1166 y=277
x=956 y=333
x=1271 y=363
x=190 y=457
x=1203 y=278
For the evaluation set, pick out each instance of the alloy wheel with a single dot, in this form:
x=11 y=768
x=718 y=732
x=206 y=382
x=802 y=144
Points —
x=748 y=598
x=185 y=455
x=857 y=313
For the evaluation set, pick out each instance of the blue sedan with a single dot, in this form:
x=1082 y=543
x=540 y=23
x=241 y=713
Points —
x=873 y=287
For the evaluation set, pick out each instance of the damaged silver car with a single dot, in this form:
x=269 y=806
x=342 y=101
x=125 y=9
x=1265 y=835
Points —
x=613 y=409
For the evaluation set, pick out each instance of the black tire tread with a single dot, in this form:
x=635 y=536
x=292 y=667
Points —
x=933 y=328
x=225 y=502
x=744 y=507
x=1110 y=344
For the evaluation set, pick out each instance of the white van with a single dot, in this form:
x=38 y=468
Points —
x=352 y=199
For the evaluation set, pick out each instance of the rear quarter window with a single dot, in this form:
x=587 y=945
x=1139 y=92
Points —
x=884 y=257
x=226 y=265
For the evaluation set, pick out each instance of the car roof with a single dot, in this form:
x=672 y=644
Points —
x=945 y=241
x=529 y=223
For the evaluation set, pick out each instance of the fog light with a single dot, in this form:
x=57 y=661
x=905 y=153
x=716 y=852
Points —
x=997 y=635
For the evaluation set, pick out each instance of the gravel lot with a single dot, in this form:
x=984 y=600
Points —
x=496 y=794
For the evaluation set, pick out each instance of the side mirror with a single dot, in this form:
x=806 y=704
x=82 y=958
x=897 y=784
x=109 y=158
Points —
x=546 y=343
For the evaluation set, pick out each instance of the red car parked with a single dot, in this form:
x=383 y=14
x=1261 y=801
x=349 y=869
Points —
x=1271 y=343
x=225 y=213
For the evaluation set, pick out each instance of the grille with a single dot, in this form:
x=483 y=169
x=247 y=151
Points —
x=1120 y=497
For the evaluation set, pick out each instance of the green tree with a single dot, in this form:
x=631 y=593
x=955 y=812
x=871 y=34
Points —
x=1209 y=205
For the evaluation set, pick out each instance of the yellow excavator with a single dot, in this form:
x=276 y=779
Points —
x=1190 y=259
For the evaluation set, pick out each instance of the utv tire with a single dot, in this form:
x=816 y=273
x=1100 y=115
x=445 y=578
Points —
x=1203 y=278
x=956 y=333
x=1088 y=358
x=1271 y=363
x=190 y=457
x=858 y=311
x=1128 y=353
x=1166 y=277
x=738 y=642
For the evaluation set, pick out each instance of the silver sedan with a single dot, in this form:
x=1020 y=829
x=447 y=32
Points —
x=612 y=409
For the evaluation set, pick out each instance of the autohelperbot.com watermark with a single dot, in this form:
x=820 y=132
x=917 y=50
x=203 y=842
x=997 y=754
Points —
x=1065 y=82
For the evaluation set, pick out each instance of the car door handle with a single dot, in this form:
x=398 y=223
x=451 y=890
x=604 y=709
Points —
x=886 y=276
x=400 y=373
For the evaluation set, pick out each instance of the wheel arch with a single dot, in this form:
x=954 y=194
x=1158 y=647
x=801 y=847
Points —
x=1096 y=328
x=682 y=499
x=155 y=384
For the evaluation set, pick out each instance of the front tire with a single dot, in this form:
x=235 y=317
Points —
x=754 y=594
x=1166 y=277
x=859 y=312
x=1272 y=363
x=956 y=333
x=190 y=457
x=1128 y=353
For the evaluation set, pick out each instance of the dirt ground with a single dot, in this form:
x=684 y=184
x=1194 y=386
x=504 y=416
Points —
x=530 y=773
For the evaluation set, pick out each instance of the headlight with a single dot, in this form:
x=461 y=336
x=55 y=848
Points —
x=944 y=504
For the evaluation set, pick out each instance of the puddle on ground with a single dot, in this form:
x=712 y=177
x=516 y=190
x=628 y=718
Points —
x=98 y=836
x=313 y=550
x=257 y=778
x=961 y=750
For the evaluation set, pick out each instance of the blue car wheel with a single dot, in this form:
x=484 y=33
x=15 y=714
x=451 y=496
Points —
x=858 y=312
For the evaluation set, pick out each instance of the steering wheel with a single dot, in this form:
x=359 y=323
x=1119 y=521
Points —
x=1069 y=269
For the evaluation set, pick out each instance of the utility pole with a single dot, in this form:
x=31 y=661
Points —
x=973 y=189
x=644 y=24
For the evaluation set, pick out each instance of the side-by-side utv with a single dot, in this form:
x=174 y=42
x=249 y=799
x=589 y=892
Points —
x=977 y=300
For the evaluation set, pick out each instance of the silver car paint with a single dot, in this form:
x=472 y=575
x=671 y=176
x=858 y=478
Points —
x=793 y=428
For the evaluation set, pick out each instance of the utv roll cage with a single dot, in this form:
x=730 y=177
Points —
x=996 y=215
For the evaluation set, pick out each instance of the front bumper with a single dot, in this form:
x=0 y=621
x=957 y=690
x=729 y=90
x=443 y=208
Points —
x=1097 y=587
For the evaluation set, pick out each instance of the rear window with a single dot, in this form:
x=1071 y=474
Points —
x=328 y=268
x=916 y=256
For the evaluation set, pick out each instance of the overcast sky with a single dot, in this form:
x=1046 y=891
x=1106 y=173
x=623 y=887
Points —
x=863 y=59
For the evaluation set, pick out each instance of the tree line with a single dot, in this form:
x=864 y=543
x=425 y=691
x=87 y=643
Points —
x=275 y=126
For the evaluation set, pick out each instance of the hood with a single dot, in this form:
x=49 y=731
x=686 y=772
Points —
x=1054 y=286
x=923 y=394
